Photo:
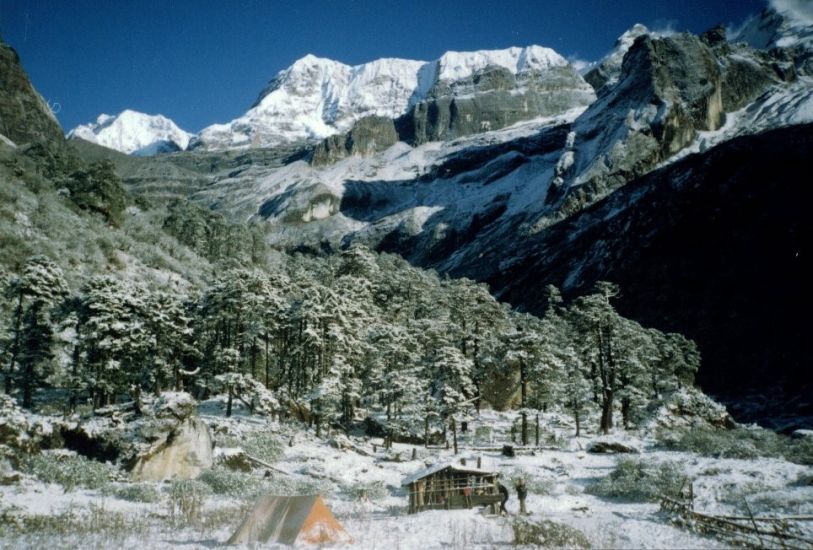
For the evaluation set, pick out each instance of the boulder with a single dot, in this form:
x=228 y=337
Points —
x=182 y=453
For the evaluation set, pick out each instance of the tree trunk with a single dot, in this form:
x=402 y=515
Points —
x=537 y=430
x=229 y=402
x=454 y=434
x=523 y=381
x=426 y=430
x=625 y=412
x=15 y=346
x=267 y=364
x=524 y=428
x=578 y=420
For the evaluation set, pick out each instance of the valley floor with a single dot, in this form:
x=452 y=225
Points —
x=557 y=476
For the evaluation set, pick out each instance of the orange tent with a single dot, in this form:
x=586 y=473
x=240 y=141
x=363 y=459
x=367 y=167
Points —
x=290 y=520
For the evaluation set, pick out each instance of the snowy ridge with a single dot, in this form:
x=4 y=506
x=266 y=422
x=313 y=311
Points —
x=608 y=69
x=786 y=24
x=134 y=133
x=316 y=97
x=459 y=65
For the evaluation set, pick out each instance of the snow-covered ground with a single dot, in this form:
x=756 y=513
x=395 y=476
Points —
x=557 y=473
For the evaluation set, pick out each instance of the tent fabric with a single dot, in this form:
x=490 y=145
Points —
x=290 y=520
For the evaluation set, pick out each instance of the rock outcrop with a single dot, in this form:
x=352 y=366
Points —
x=669 y=89
x=24 y=114
x=182 y=453
x=491 y=99
x=369 y=135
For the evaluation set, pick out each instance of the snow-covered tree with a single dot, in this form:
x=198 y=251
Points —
x=39 y=288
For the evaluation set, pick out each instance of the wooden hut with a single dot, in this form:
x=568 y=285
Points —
x=450 y=486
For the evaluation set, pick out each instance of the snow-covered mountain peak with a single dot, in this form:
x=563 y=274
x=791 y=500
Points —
x=608 y=69
x=459 y=65
x=317 y=97
x=133 y=132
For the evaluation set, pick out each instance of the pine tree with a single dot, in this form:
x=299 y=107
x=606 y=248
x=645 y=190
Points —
x=35 y=292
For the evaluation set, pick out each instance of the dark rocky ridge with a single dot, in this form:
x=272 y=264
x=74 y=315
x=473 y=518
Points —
x=714 y=247
x=24 y=115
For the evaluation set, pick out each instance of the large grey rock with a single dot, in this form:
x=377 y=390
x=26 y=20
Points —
x=182 y=453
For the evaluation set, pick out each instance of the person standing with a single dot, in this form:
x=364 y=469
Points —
x=522 y=493
x=504 y=494
x=420 y=487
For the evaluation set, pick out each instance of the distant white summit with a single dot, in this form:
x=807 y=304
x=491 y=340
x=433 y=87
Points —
x=134 y=133
x=316 y=97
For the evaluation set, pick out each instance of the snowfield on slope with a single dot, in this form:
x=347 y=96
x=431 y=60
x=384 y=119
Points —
x=558 y=475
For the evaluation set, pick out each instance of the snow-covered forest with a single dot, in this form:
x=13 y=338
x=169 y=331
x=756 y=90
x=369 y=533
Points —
x=332 y=336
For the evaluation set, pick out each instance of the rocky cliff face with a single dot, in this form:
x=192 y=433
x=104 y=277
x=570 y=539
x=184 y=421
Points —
x=491 y=99
x=668 y=90
x=24 y=115
x=369 y=135
x=608 y=70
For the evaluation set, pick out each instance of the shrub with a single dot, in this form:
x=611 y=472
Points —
x=265 y=445
x=744 y=443
x=69 y=470
x=483 y=435
x=374 y=490
x=186 y=498
x=547 y=534
x=134 y=492
x=638 y=481
x=229 y=483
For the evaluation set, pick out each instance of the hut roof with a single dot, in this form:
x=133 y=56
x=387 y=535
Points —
x=443 y=466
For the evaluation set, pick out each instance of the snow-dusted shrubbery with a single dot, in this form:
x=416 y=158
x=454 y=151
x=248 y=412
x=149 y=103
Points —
x=372 y=490
x=637 y=479
x=133 y=492
x=741 y=442
x=186 y=499
x=547 y=534
x=225 y=482
x=69 y=470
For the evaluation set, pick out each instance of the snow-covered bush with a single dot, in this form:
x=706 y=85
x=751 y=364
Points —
x=186 y=498
x=547 y=534
x=134 y=492
x=744 y=443
x=229 y=483
x=638 y=480
x=265 y=444
x=69 y=470
x=372 y=490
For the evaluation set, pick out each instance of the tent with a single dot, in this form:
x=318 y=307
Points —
x=290 y=520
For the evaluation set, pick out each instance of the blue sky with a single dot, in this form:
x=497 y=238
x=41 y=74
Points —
x=205 y=61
